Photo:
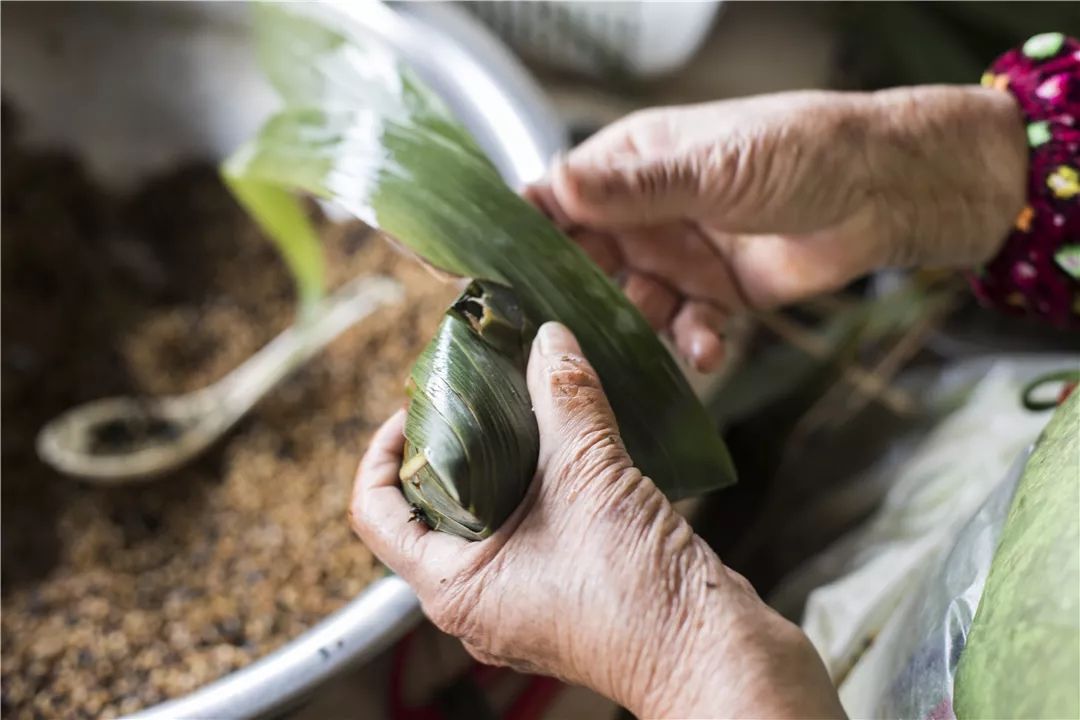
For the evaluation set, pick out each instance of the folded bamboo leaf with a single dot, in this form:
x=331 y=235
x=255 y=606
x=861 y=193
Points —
x=361 y=130
x=471 y=437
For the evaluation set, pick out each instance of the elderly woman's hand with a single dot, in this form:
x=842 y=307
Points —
x=711 y=209
x=595 y=578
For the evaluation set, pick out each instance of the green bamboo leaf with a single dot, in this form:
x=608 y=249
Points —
x=282 y=218
x=384 y=148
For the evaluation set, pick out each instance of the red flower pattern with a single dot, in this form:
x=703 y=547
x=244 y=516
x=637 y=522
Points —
x=1036 y=273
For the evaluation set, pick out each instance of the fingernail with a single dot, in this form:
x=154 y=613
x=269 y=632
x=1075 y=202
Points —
x=706 y=351
x=555 y=339
x=699 y=346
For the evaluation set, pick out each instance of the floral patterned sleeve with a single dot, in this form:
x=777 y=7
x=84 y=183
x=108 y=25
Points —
x=1037 y=272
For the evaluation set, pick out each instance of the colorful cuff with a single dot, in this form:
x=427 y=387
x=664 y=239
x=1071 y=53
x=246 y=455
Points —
x=1037 y=272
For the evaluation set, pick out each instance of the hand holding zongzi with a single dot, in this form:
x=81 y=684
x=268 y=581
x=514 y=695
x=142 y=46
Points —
x=595 y=578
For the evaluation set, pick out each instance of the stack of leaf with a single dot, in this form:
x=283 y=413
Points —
x=361 y=130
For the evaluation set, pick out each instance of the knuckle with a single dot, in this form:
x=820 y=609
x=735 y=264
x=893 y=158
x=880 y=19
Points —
x=572 y=376
x=733 y=170
x=595 y=460
x=630 y=499
x=665 y=174
x=653 y=179
x=596 y=451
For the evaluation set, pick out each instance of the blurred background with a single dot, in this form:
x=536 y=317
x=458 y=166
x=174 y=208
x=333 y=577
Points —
x=127 y=268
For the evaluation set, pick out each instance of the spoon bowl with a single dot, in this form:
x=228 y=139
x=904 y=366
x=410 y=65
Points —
x=119 y=440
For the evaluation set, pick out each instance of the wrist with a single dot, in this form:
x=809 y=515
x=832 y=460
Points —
x=688 y=664
x=949 y=170
x=722 y=652
x=690 y=633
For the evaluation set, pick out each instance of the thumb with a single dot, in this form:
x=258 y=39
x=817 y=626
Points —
x=633 y=172
x=579 y=438
x=627 y=190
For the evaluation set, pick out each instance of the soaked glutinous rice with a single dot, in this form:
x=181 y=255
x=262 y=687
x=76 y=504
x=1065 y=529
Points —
x=117 y=599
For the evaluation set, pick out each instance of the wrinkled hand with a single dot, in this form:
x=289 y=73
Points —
x=707 y=210
x=595 y=578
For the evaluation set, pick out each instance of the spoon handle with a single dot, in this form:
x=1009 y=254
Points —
x=244 y=386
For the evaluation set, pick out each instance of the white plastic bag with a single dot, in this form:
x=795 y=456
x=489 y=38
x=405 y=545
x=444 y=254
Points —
x=894 y=598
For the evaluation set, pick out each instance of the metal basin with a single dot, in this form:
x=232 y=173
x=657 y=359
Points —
x=135 y=87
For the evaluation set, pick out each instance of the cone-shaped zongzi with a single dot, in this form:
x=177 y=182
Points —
x=470 y=436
